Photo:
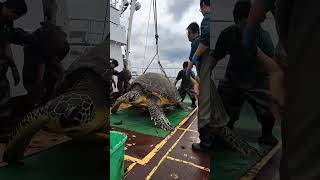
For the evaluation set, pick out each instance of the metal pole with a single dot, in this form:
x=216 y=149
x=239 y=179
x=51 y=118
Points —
x=132 y=10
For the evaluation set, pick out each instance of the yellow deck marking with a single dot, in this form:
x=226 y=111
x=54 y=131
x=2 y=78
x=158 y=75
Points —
x=165 y=156
x=133 y=159
x=187 y=130
x=254 y=170
x=130 y=167
x=189 y=163
x=157 y=148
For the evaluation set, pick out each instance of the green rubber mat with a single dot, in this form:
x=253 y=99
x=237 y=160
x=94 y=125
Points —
x=138 y=120
x=63 y=162
x=227 y=164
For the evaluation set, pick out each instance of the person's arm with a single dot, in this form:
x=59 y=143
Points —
x=221 y=49
x=204 y=39
x=12 y=64
x=195 y=85
x=178 y=78
x=257 y=14
x=116 y=73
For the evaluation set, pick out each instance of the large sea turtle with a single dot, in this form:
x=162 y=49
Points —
x=77 y=109
x=153 y=91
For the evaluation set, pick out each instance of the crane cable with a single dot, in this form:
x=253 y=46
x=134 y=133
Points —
x=157 y=38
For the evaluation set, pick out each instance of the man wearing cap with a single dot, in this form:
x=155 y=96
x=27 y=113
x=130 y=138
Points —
x=10 y=11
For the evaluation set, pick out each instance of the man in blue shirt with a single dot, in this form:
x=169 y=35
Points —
x=211 y=113
x=193 y=37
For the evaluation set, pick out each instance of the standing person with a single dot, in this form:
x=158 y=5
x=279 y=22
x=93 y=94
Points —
x=42 y=62
x=113 y=64
x=193 y=32
x=277 y=65
x=245 y=78
x=186 y=86
x=10 y=11
x=123 y=81
x=211 y=113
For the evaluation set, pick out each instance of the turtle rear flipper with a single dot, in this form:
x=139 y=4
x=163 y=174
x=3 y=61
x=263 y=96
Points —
x=157 y=114
x=235 y=142
x=22 y=135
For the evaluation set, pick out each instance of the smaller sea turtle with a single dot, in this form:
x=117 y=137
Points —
x=154 y=91
x=77 y=108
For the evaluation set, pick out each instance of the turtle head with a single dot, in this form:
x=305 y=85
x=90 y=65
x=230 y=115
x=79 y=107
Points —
x=133 y=97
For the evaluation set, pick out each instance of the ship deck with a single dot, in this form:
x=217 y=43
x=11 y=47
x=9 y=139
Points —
x=149 y=153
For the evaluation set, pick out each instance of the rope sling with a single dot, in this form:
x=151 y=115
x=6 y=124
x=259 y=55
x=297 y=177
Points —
x=154 y=3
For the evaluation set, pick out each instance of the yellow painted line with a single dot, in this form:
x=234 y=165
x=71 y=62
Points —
x=131 y=167
x=157 y=148
x=255 y=170
x=133 y=159
x=164 y=157
x=188 y=163
x=187 y=130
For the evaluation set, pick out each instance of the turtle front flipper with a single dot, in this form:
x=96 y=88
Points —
x=184 y=107
x=117 y=104
x=157 y=114
x=22 y=135
x=130 y=97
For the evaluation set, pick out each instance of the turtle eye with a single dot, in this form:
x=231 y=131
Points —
x=131 y=98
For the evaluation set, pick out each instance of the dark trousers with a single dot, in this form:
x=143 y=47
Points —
x=5 y=109
x=255 y=92
x=183 y=91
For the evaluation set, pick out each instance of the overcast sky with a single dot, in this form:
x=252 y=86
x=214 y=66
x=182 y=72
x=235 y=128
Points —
x=173 y=19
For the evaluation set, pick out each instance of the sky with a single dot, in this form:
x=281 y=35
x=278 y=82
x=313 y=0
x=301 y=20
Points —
x=173 y=19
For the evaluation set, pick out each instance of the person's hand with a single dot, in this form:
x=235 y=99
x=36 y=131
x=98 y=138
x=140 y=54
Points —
x=195 y=59
x=22 y=37
x=248 y=41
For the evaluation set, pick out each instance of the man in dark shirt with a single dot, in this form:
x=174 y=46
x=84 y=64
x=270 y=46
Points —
x=245 y=77
x=186 y=86
x=123 y=81
x=10 y=11
x=42 y=62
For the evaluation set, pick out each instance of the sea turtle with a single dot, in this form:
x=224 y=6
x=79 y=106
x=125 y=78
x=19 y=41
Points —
x=77 y=109
x=154 y=91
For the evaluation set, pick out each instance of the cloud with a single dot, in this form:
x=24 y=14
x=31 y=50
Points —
x=178 y=8
x=174 y=47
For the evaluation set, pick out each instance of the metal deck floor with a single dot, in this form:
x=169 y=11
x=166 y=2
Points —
x=149 y=157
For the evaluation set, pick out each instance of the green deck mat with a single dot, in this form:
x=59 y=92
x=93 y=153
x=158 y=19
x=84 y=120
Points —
x=227 y=164
x=138 y=120
x=63 y=162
